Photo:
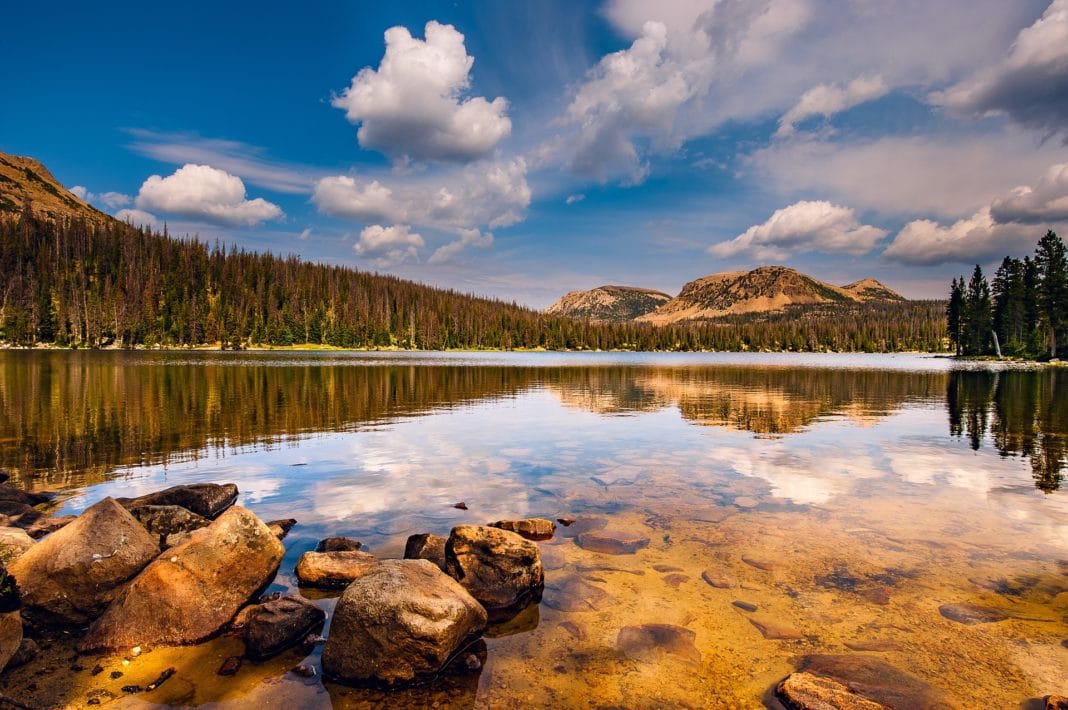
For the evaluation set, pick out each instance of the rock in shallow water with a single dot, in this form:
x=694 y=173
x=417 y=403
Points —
x=805 y=691
x=612 y=542
x=204 y=499
x=338 y=544
x=281 y=528
x=332 y=570
x=164 y=520
x=10 y=636
x=972 y=614
x=530 y=528
x=274 y=626
x=499 y=568
x=426 y=547
x=876 y=680
x=573 y=593
x=774 y=630
x=70 y=576
x=401 y=620
x=13 y=543
x=650 y=642
x=194 y=589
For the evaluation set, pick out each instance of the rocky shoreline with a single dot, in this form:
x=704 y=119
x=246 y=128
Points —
x=186 y=564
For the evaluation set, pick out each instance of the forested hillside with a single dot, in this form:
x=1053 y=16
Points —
x=76 y=283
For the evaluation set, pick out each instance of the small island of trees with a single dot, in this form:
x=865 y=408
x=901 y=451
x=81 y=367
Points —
x=1023 y=313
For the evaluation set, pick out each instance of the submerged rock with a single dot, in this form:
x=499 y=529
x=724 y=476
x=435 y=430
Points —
x=499 y=568
x=272 y=627
x=581 y=525
x=70 y=576
x=194 y=589
x=530 y=528
x=805 y=691
x=650 y=642
x=876 y=680
x=164 y=520
x=338 y=544
x=716 y=580
x=573 y=593
x=612 y=542
x=426 y=547
x=10 y=636
x=972 y=614
x=204 y=499
x=401 y=620
x=332 y=570
x=744 y=606
x=774 y=630
x=13 y=543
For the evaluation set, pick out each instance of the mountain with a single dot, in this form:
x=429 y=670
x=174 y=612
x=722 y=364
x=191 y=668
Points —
x=764 y=289
x=25 y=179
x=609 y=303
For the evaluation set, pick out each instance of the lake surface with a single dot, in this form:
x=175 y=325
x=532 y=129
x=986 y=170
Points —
x=847 y=498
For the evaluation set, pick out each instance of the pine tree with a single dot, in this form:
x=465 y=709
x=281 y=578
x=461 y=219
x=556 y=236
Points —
x=1052 y=286
x=955 y=313
x=978 y=316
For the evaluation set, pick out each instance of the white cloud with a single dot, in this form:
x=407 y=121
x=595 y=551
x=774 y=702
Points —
x=1030 y=84
x=204 y=192
x=305 y=234
x=572 y=199
x=112 y=200
x=976 y=239
x=138 y=218
x=472 y=238
x=1045 y=203
x=801 y=227
x=412 y=106
x=826 y=100
x=388 y=246
x=480 y=195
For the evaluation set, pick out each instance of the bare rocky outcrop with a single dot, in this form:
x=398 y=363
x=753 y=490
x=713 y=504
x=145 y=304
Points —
x=194 y=589
x=332 y=570
x=609 y=303
x=71 y=575
x=205 y=499
x=499 y=568
x=402 y=620
x=530 y=528
x=425 y=546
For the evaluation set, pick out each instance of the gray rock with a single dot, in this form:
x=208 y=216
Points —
x=164 y=520
x=402 y=620
x=272 y=627
x=338 y=544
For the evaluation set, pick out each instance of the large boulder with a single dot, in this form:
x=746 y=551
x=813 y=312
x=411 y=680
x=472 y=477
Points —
x=426 y=546
x=205 y=499
x=274 y=626
x=13 y=543
x=70 y=576
x=401 y=620
x=164 y=520
x=530 y=528
x=338 y=544
x=499 y=568
x=10 y=636
x=332 y=570
x=192 y=590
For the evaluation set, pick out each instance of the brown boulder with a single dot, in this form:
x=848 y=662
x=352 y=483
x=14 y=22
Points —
x=338 y=544
x=195 y=588
x=274 y=626
x=612 y=542
x=332 y=570
x=426 y=547
x=10 y=636
x=71 y=575
x=204 y=499
x=164 y=520
x=281 y=528
x=10 y=494
x=530 y=528
x=13 y=543
x=402 y=620
x=804 y=691
x=499 y=568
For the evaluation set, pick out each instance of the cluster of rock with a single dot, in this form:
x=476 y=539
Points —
x=181 y=565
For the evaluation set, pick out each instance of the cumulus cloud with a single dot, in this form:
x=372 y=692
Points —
x=138 y=218
x=109 y=199
x=388 y=246
x=801 y=227
x=413 y=107
x=481 y=195
x=472 y=238
x=204 y=192
x=1030 y=84
x=572 y=199
x=975 y=239
x=826 y=100
x=1045 y=203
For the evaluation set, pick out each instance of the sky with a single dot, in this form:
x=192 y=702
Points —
x=527 y=148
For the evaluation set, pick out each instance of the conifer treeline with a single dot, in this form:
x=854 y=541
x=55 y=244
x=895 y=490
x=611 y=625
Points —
x=1026 y=309
x=85 y=285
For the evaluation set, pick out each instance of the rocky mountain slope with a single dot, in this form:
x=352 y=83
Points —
x=609 y=303
x=24 y=179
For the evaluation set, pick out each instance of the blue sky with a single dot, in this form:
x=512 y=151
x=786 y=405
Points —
x=524 y=149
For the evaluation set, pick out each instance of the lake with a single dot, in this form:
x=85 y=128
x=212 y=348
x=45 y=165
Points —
x=853 y=500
